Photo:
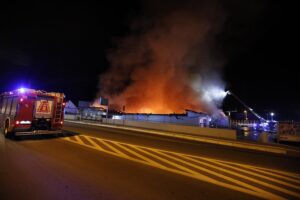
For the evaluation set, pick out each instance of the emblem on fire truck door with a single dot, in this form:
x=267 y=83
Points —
x=43 y=107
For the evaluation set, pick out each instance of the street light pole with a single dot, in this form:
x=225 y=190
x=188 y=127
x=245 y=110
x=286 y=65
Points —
x=229 y=117
x=272 y=114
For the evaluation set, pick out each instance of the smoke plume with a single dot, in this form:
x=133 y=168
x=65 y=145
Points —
x=168 y=63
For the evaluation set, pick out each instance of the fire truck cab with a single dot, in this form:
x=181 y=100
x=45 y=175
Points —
x=28 y=111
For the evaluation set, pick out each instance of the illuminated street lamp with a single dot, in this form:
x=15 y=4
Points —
x=272 y=114
x=246 y=116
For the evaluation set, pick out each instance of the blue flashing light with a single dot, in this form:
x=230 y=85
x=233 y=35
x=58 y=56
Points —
x=22 y=90
x=264 y=124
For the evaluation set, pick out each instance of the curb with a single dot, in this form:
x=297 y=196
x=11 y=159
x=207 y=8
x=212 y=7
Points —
x=237 y=144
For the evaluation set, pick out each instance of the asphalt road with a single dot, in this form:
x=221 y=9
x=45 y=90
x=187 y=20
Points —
x=103 y=163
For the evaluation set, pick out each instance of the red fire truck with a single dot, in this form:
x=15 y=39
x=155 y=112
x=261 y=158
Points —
x=28 y=111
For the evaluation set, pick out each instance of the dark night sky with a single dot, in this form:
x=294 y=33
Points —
x=63 y=47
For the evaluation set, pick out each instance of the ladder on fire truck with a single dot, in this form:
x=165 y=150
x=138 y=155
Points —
x=58 y=110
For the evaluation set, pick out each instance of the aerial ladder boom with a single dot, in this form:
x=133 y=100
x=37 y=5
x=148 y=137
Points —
x=246 y=106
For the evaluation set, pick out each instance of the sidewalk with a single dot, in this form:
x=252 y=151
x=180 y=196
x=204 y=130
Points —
x=270 y=148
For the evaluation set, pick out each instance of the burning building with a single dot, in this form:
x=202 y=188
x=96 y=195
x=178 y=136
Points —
x=92 y=111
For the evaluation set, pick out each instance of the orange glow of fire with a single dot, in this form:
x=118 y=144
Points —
x=153 y=73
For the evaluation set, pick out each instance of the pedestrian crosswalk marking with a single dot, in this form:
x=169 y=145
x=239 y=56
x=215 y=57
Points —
x=276 y=184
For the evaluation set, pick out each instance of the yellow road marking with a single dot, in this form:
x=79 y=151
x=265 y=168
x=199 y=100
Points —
x=293 y=175
x=93 y=143
x=258 y=175
x=264 y=171
x=259 y=169
x=167 y=161
x=139 y=155
x=166 y=157
x=77 y=138
x=249 y=178
x=111 y=147
x=264 y=193
x=202 y=177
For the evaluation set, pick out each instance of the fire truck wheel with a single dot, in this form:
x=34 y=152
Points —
x=6 y=132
